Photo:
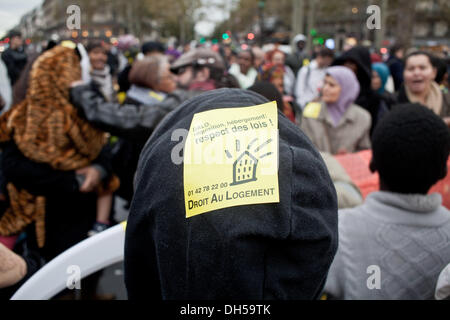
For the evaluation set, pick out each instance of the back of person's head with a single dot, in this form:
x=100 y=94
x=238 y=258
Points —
x=253 y=247
x=269 y=91
x=148 y=71
x=394 y=48
x=198 y=58
x=441 y=67
x=153 y=47
x=410 y=149
x=222 y=79
x=326 y=52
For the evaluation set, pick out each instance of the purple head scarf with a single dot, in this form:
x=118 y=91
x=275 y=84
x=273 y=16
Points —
x=349 y=91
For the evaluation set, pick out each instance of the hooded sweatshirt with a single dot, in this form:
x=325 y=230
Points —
x=261 y=251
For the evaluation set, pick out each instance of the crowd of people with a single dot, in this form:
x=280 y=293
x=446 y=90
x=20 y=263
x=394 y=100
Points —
x=85 y=135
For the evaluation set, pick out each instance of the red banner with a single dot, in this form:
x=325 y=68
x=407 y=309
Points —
x=357 y=167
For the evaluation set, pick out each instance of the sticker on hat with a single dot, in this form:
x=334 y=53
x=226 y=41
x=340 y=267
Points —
x=231 y=158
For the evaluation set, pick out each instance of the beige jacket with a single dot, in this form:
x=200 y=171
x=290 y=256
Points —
x=348 y=193
x=351 y=134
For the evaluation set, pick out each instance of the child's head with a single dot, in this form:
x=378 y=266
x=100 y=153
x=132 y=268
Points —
x=410 y=149
x=97 y=55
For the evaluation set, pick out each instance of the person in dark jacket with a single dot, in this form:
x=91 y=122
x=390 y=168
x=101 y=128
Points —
x=197 y=71
x=150 y=48
x=395 y=64
x=151 y=82
x=358 y=60
x=14 y=57
x=380 y=75
x=262 y=251
x=151 y=97
x=297 y=59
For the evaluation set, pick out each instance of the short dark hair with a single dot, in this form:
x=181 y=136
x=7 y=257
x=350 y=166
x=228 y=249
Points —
x=441 y=67
x=430 y=56
x=14 y=33
x=410 y=149
x=93 y=44
x=153 y=46
x=326 y=52
x=268 y=90
x=250 y=51
x=395 y=48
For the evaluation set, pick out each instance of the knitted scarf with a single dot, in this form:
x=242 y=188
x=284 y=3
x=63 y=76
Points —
x=46 y=128
x=433 y=99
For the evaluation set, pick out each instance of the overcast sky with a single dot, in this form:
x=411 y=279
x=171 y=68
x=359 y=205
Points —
x=12 y=10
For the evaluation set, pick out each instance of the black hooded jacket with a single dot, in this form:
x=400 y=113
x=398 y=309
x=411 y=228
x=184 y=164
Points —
x=367 y=98
x=261 y=251
x=15 y=60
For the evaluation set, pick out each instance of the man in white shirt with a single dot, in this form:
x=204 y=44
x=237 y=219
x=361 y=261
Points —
x=310 y=77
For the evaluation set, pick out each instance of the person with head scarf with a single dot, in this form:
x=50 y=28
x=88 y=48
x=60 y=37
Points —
x=337 y=124
x=358 y=60
x=278 y=250
x=380 y=77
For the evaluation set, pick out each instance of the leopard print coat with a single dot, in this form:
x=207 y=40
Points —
x=46 y=128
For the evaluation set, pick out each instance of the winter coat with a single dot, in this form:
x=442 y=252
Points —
x=396 y=69
x=15 y=61
x=351 y=134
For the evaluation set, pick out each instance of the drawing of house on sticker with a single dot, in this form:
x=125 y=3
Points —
x=244 y=169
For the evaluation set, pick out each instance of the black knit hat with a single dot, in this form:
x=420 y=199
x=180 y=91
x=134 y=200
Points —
x=410 y=149
x=260 y=251
x=153 y=46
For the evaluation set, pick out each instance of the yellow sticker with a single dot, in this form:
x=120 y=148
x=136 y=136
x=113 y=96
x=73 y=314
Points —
x=68 y=44
x=231 y=158
x=312 y=110
x=155 y=95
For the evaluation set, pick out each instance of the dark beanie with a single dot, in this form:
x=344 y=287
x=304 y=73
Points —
x=260 y=251
x=410 y=149
x=153 y=46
